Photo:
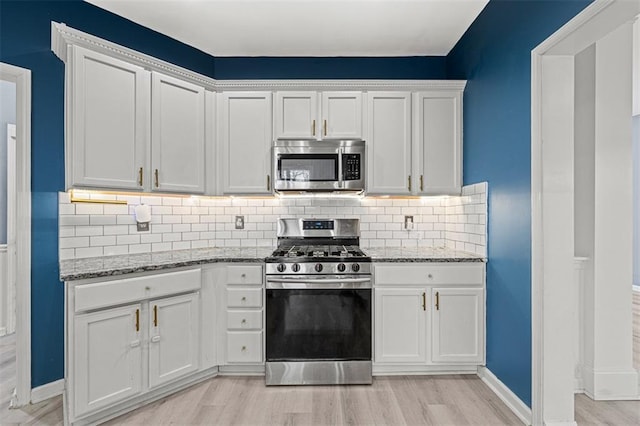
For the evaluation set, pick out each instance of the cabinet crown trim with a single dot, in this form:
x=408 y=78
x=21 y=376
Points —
x=63 y=36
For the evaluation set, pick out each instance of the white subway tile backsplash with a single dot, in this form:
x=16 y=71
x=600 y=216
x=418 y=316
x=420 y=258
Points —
x=193 y=222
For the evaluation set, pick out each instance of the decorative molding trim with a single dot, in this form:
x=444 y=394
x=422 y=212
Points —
x=22 y=78
x=611 y=385
x=44 y=392
x=364 y=85
x=515 y=404
x=63 y=36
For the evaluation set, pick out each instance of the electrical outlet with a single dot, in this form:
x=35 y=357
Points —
x=408 y=223
x=239 y=222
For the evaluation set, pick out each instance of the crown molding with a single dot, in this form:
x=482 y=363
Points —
x=363 y=85
x=63 y=36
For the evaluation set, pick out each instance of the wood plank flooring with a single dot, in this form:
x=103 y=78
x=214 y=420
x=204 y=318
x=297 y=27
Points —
x=44 y=413
x=402 y=400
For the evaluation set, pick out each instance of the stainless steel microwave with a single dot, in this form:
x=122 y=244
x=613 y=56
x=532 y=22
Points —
x=319 y=166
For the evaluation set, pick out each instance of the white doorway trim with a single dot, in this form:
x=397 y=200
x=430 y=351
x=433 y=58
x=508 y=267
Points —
x=22 y=78
x=598 y=19
x=10 y=275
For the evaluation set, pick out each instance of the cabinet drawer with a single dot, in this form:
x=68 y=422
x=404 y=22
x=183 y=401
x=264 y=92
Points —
x=427 y=274
x=244 y=297
x=117 y=292
x=244 y=347
x=244 y=320
x=244 y=275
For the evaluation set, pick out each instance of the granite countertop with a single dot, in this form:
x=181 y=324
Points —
x=421 y=254
x=95 y=267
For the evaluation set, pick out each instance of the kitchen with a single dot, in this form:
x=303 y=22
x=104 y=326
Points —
x=48 y=367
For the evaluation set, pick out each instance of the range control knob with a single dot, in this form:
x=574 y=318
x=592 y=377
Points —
x=295 y=267
x=341 y=267
x=355 y=267
x=281 y=267
x=318 y=267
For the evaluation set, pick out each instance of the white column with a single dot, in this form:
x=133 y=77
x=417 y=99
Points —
x=611 y=375
x=557 y=217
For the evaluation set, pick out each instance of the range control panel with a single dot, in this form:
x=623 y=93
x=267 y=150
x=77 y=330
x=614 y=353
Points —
x=351 y=167
x=317 y=224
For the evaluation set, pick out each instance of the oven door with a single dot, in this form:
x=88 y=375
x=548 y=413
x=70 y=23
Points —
x=321 y=319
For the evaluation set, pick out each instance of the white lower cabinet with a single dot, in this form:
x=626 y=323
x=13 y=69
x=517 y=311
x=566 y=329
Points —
x=242 y=333
x=401 y=325
x=150 y=339
x=429 y=315
x=173 y=338
x=457 y=325
x=108 y=357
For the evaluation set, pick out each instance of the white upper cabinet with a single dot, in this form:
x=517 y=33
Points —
x=341 y=115
x=388 y=143
x=296 y=115
x=245 y=134
x=438 y=135
x=313 y=115
x=178 y=139
x=108 y=121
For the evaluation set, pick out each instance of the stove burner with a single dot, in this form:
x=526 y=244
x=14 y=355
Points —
x=318 y=251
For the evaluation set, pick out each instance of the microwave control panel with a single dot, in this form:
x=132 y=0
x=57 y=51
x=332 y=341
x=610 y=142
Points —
x=351 y=167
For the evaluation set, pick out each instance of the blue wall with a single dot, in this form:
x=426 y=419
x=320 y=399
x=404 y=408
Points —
x=415 y=67
x=494 y=56
x=25 y=42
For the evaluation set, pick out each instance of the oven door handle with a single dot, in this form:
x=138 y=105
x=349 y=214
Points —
x=329 y=284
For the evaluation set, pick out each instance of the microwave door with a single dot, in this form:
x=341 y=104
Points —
x=308 y=171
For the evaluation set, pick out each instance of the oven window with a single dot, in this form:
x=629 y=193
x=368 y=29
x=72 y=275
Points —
x=318 y=324
x=307 y=168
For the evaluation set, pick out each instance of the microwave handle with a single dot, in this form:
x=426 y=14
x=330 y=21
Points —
x=340 y=180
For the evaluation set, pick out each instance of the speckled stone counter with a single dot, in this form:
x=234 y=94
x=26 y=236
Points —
x=421 y=254
x=95 y=267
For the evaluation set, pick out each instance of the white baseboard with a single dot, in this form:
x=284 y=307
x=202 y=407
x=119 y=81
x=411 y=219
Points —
x=610 y=385
x=560 y=424
x=519 y=408
x=44 y=392
x=417 y=370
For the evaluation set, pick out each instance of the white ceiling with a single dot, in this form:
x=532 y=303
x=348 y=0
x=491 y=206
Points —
x=306 y=27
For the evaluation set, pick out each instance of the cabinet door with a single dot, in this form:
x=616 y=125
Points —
x=341 y=115
x=438 y=129
x=246 y=142
x=400 y=325
x=458 y=325
x=108 y=122
x=177 y=144
x=173 y=338
x=107 y=359
x=389 y=143
x=296 y=115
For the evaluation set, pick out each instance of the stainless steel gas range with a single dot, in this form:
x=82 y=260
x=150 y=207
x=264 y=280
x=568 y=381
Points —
x=318 y=304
